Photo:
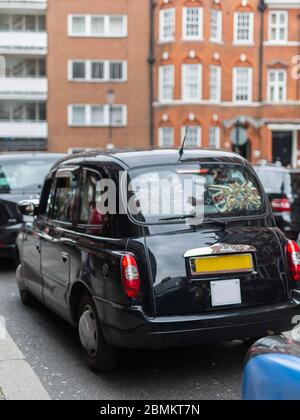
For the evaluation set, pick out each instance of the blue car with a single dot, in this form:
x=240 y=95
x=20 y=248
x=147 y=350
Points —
x=272 y=370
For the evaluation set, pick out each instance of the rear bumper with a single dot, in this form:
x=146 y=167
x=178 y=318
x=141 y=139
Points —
x=131 y=328
x=8 y=238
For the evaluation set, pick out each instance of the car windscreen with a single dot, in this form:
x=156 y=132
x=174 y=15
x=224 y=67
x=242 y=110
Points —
x=177 y=192
x=281 y=182
x=21 y=176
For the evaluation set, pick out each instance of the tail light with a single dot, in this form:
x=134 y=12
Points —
x=293 y=256
x=131 y=276
x=281 y=205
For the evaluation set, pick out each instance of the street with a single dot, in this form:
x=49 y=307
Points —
x=52 y=349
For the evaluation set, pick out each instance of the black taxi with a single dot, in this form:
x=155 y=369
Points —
x=158 y=249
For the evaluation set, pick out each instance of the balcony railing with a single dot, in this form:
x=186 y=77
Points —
x=23 y=42
x=23 y=4
x=23 y=129
x=22 y=145
x=15 y=88
x=280 y=2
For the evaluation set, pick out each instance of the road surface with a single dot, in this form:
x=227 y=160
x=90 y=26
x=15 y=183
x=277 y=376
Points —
x=51 y=348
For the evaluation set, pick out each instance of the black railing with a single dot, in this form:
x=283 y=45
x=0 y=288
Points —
x=22 y=145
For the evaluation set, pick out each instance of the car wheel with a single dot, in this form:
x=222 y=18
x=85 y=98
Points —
x=27 y=298
x=100 y=356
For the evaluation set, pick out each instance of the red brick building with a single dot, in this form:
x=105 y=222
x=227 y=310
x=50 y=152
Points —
x=224 y=64
x=96 y=47
x=211 y=65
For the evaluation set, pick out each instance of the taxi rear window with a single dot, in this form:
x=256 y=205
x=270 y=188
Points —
x=174 y=193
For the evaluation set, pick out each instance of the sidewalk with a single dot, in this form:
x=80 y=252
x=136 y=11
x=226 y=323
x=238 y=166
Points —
x=17 y=379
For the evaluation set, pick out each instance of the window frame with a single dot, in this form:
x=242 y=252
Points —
x=185 y=35
x=42 y=209
x=185 y=97
x=88 y=113
x=218 y=86
x=219 y=26
x=161 y=137
x=38 y=18
x=276 y=84
x=65 y=169
x=88 y=71
x=218 y=138
x=250 y=85
x=162 y=21
x=199 y=135
x=250 y=40
x=87 y=229
x=162 y=85
x=270 y=26
x=88 y=26
x=83 y=178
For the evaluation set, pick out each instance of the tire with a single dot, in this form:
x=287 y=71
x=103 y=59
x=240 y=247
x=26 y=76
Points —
x=27 y=298
x=100 y=356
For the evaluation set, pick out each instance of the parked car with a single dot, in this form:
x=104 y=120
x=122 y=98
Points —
x=146 y=280
x=283 y=188
x=272 y=371
x=21 y=177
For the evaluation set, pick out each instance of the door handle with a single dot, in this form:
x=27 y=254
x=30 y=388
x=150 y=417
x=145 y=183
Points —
x=65 y=256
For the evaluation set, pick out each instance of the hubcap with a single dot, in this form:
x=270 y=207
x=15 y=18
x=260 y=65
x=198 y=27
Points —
x=88 y=331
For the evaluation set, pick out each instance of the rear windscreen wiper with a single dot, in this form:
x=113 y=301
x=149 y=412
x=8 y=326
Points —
x=193 y=219
x=214 y=222
x=171 y=219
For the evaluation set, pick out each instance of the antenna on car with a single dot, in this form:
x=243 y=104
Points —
x=183 y=143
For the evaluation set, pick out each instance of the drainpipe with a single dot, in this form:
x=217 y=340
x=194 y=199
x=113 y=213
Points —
x=261 y=8
x=151 y=62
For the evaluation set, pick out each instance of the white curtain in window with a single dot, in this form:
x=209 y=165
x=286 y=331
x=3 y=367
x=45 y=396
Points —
x=78 y=25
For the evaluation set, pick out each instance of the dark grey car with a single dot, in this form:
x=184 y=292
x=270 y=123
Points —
x=21 y=177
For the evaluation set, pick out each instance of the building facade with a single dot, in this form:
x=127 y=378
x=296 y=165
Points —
x=98 y=74
x=23 y=80
x=138 y=73
x=229 y=71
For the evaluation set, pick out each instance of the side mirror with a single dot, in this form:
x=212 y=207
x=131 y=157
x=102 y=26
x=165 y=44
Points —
x=28 y=207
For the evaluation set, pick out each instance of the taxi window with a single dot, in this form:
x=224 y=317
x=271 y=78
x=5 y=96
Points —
x=216 y=191
x=65 y=194
x=93 y=217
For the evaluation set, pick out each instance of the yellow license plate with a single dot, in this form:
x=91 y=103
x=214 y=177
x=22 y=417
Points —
x=223 y=264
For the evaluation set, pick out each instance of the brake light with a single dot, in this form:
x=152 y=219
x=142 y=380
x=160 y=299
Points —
x=281 y=205
x=131 y=276
x=293 y=255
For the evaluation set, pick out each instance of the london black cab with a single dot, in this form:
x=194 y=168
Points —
x=159 y=277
